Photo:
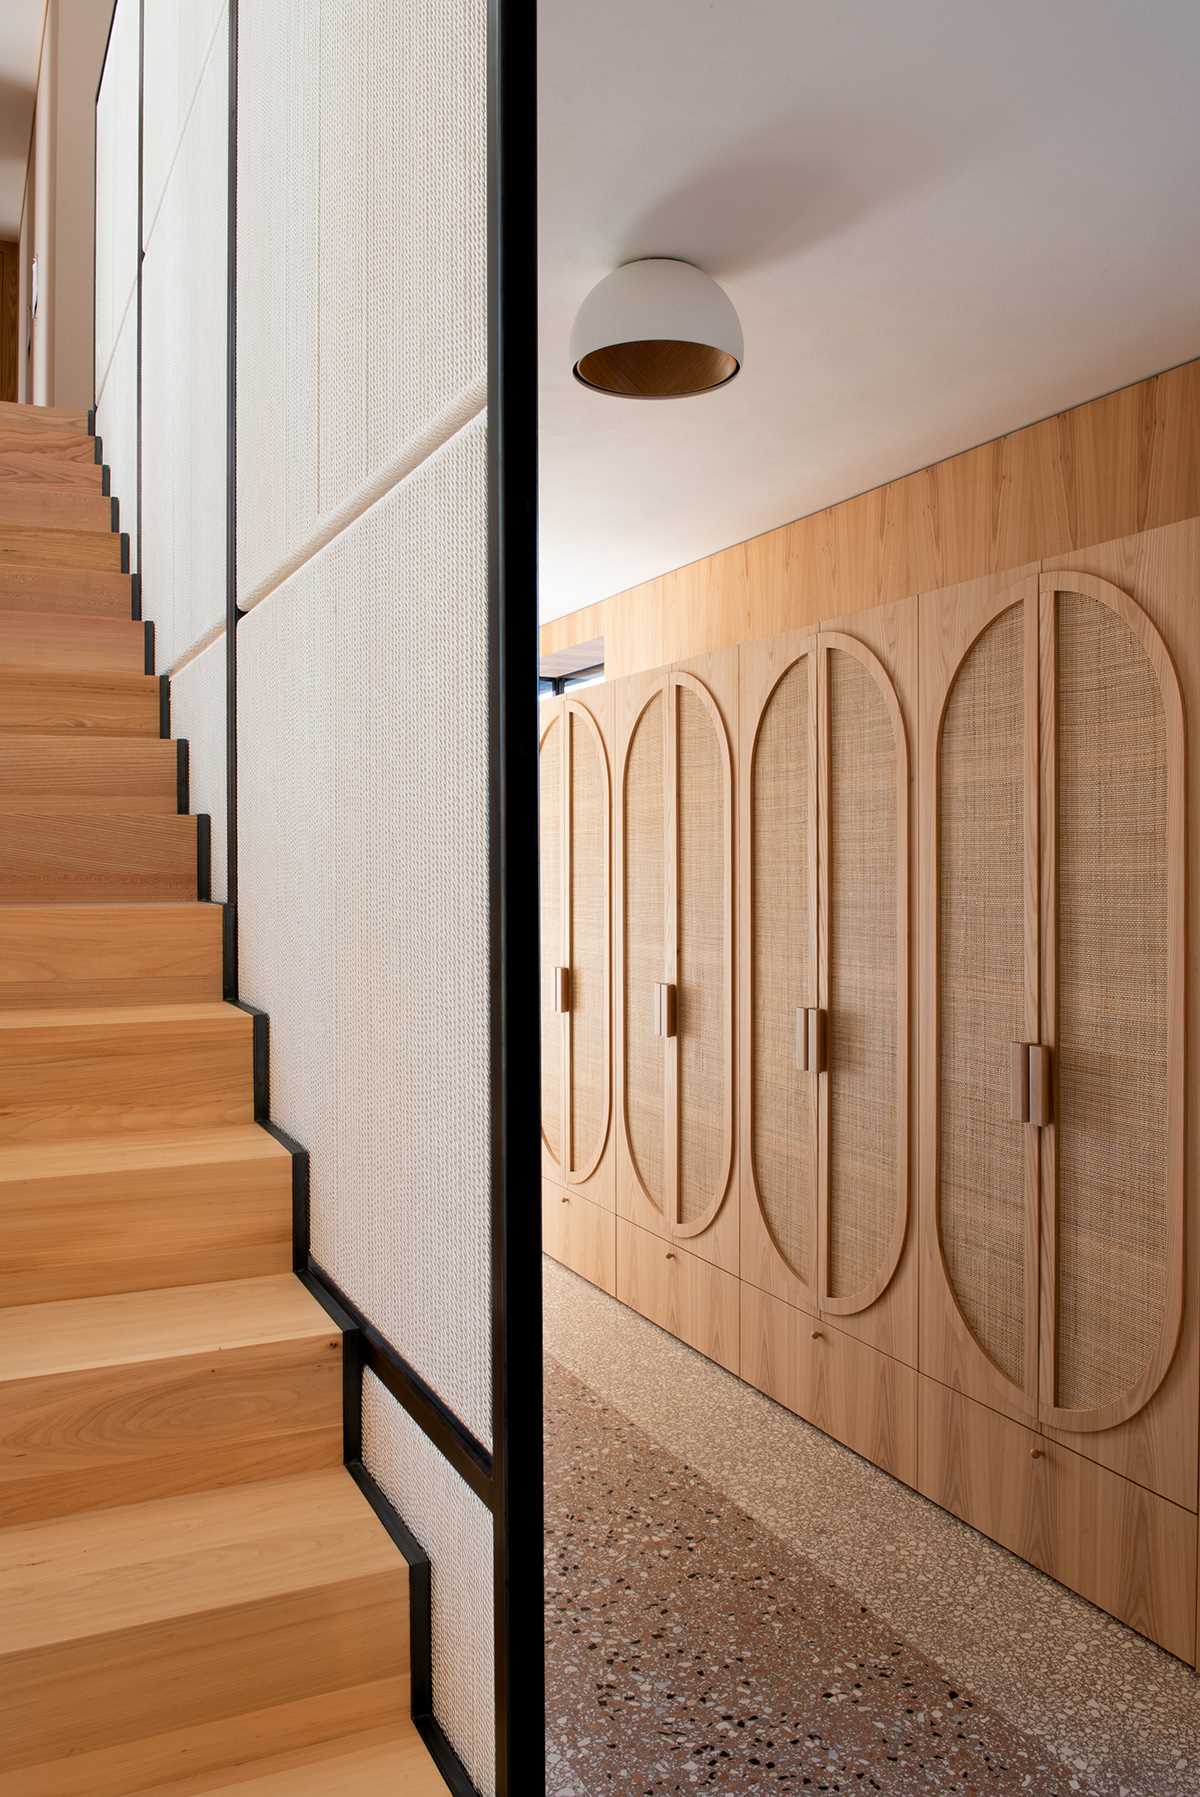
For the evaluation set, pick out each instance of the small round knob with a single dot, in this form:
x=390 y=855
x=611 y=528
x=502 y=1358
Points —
x=670 y=1256
x=1035 y=1453
x=818 y=1335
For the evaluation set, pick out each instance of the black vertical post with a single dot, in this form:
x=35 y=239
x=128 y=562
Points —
x=232 y=614
x=516 y=1183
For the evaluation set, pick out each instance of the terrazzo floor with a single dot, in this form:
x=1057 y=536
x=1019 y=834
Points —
x=737 y=1604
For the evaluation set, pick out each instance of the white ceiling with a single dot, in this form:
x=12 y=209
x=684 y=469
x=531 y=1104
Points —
x=939 y=220
x=20 y=40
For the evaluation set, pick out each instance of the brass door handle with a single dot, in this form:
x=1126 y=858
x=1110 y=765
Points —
x=665 y=1008
x=562 y=988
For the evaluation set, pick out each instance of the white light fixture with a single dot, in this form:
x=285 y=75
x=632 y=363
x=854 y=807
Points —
x=656 y=329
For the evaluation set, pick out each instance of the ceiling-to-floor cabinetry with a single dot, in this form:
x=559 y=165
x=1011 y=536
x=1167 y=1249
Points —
x=904 y=1104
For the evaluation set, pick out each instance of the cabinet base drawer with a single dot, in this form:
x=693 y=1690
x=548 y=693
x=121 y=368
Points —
x=686 y=1296
x=1130 y=1552
x=580 y=1234
x=861 y=1397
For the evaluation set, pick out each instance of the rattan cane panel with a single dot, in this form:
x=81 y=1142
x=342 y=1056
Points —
x=184 y=418
x=117 y=424
x=589 y=941
x=198 y=717
x=455 y=1530
x=1111 y=1070
x=116 y=185
x=981 y=982
x=178 y=41
x=279 y=78
x=783 y=979
x=865 y=1183
x=704 y=1072
x=550 y=826
x=645 y=943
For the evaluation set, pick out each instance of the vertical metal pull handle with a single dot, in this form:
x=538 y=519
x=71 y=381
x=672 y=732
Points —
x=1031 y=1087
x=801 y=1040
x=818 y=1041
x=665 y=1000
x=562 y=988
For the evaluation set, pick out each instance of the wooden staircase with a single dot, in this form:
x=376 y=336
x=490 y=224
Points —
x=194 y=1595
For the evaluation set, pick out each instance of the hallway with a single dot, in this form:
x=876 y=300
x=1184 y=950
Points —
x=862 y=1639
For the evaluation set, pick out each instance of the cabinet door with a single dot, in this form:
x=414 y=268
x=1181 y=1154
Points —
x=777 y=769
x=863 y=1093
x=552 y=920
x=979 y=962
x=1113 y=1264
x=588 y=891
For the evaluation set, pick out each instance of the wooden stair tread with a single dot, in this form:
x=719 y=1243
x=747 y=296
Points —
x=100 y=1572
x=27 y=411
x=66 y=701
x=77 y=642
x=65 y=470
x=25 y=545
x=62 y=774
x=363 y=1765
x=105 y=1017
x=95 y=591
x=40 y=1340
x=135 y=1153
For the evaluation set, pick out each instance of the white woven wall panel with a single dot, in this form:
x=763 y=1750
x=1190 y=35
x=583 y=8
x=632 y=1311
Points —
x=278 y=157
x=198 y=716
x=116 y=184
x=183 y=383
x=286 y=649
x=403 y=304
x=406 y=1231
x=179 y=35
x=455 y=1530
x=117 y=425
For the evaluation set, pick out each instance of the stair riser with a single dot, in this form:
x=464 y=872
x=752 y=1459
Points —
x=71 y=645
x=111 y=1078
x=98 y=857
x=127 y=1433
x=32 y=470
x=90 y=1235
x=63 y=773
x=50 y=439
x=75 y=705
x=54 y=956
x=83 y=592
x=206 y=1666
x=46 y=510
x=64 y=549
x=147 y=1765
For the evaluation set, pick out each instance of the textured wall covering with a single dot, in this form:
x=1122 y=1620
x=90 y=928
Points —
x=116 y=184
x=198 y=716
x=183 y=375
x=179 y=38
x=117 y=425
x=362 y=715
x=454 y=1528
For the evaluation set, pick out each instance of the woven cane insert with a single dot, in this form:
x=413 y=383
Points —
x=783 y=979
x=1111 y=1062
x=589 y=934
x=550 y=890
x=704 y=1072
x=865 y=1187
x=981 y=975
x=645 y=944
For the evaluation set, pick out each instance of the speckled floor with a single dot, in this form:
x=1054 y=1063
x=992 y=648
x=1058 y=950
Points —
x=735 y=1603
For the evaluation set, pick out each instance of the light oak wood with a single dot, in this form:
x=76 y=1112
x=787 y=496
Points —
x=42 y=508
x=951 y=622
x=115 y=1400
x=688 y=1297
x=390 y=1758
x=26 y=546
x=77 y=591
x=62 y=643
x=1123 y=463
x=194 y=1609
x=109 y=1071
x=861 y=1397
x=1129 y=1551
x=93 y=954
x=75 y=470
x=75 y=774
x=184 y=1760
x=21 y=415
x=122 y=1214
x=101 y=854
x=65 y=704
x=581 y=1234
x=53 y=441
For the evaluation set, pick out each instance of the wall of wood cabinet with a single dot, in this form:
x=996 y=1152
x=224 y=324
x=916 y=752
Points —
x=904 y=1009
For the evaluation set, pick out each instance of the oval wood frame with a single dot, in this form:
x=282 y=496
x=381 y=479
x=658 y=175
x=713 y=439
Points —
x=554 y=715
x=573 y=708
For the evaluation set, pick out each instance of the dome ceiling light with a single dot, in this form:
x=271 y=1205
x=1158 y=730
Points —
x=656 y=329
